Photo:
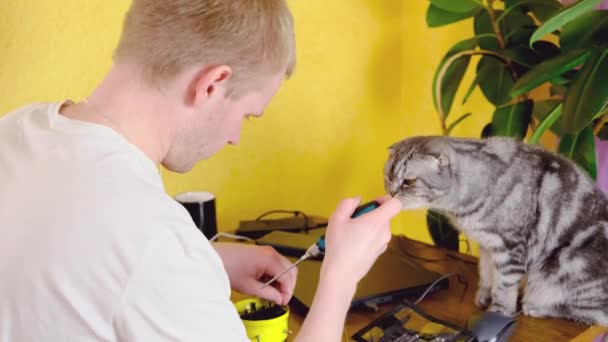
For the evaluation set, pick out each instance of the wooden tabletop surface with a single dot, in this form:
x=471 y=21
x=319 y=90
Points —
x=454 y=304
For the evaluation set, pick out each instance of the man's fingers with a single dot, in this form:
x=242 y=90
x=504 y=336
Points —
x=269 y=292
x=285 y=284
x=390 y=207
x=383 y=199
x=345 y=209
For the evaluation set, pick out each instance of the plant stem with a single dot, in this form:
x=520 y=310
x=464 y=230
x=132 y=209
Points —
x=441 y=75
x=499 y=37
x=600 y=124
x=444 y=128
x=501 y=40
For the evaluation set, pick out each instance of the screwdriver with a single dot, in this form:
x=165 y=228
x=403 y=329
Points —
x=318 y=248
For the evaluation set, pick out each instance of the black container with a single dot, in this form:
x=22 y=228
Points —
x=201 y=206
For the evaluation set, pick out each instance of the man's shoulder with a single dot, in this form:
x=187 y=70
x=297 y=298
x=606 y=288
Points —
x=28 y=109
x=12 y=120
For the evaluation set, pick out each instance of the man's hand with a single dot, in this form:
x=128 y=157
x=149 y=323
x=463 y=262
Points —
x=351 y=248
x=248 y=266
x=353 y=245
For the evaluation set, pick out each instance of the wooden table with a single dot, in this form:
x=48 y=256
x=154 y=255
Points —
x=456 y=303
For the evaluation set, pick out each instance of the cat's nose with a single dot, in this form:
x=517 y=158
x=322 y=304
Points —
x=393 y=192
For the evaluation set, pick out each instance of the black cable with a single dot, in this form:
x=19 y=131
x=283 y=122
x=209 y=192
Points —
x=421 y=258
x=448 y=256
x=430 y=318
x=295 y=213
x=461 y=279
x=462 y=260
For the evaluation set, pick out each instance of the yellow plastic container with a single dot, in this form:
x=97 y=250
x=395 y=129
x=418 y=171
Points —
x=269 y=330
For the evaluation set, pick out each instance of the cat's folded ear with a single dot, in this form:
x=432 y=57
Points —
x=392 y=149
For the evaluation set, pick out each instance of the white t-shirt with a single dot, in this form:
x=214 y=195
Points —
x=91 y=246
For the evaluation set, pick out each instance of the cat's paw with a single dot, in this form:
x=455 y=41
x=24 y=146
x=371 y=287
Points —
x=506 y=310
x=483 y=297
x=534 y=311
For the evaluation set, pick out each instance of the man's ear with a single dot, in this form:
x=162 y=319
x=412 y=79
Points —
x=210 y=82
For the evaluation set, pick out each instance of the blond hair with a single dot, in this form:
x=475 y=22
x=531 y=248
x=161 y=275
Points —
x=164 y=37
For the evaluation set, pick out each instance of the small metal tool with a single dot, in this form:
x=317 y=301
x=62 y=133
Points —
x=318 y=248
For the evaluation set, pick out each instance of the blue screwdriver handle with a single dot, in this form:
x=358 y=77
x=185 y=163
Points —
x=362 y=209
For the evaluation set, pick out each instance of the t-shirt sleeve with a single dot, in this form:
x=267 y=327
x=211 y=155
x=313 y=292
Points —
x=178 y=293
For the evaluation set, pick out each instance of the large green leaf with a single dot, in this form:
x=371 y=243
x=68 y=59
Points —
x=511 y=3
x=546 y=123
x=455 y=123
x=548 y=70
x=590 y=29
x=474 y=84
x=515 y=26
x=545 y=49
x=516 y=21
x=522 y=55
x=454 y=74
x=519 y=37
x=525 y=58
x=483 y=26
x=580 y=147
x=542 y=9
x=563 y=17
x=436 y=16
x=495 y=88
x=513 y=120
x=542 y=109
x=457 y=6
x=481 y=76
x=588 y=92
x=557 y=89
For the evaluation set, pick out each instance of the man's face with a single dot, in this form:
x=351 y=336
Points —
x=217 y=124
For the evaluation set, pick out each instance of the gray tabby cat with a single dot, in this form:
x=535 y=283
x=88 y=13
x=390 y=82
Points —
x=533 y=213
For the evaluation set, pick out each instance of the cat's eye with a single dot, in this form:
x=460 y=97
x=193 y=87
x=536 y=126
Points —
x=409 y=182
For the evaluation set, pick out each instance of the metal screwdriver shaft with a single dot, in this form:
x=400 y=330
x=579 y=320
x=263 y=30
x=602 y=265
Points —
x=319 y=247
x=313 y=251
x=287 y=270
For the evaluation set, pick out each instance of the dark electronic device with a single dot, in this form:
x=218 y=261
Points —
x=408 y=323
x=289 y=244
x=392 y=277
x=295 y=224
x=491 y=326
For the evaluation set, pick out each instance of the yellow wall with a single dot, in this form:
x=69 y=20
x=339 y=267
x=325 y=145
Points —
x=362 y=82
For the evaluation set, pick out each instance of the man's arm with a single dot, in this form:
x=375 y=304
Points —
x=247 y=264
x=352 y=246
x=178 y=292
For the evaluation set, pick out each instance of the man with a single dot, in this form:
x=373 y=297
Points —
x=93 y=249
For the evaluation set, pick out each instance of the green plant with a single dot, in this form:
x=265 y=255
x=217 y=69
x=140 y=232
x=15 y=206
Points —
x=523 y=45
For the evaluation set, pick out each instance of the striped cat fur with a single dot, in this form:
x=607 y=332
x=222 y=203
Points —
x=540 y=221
